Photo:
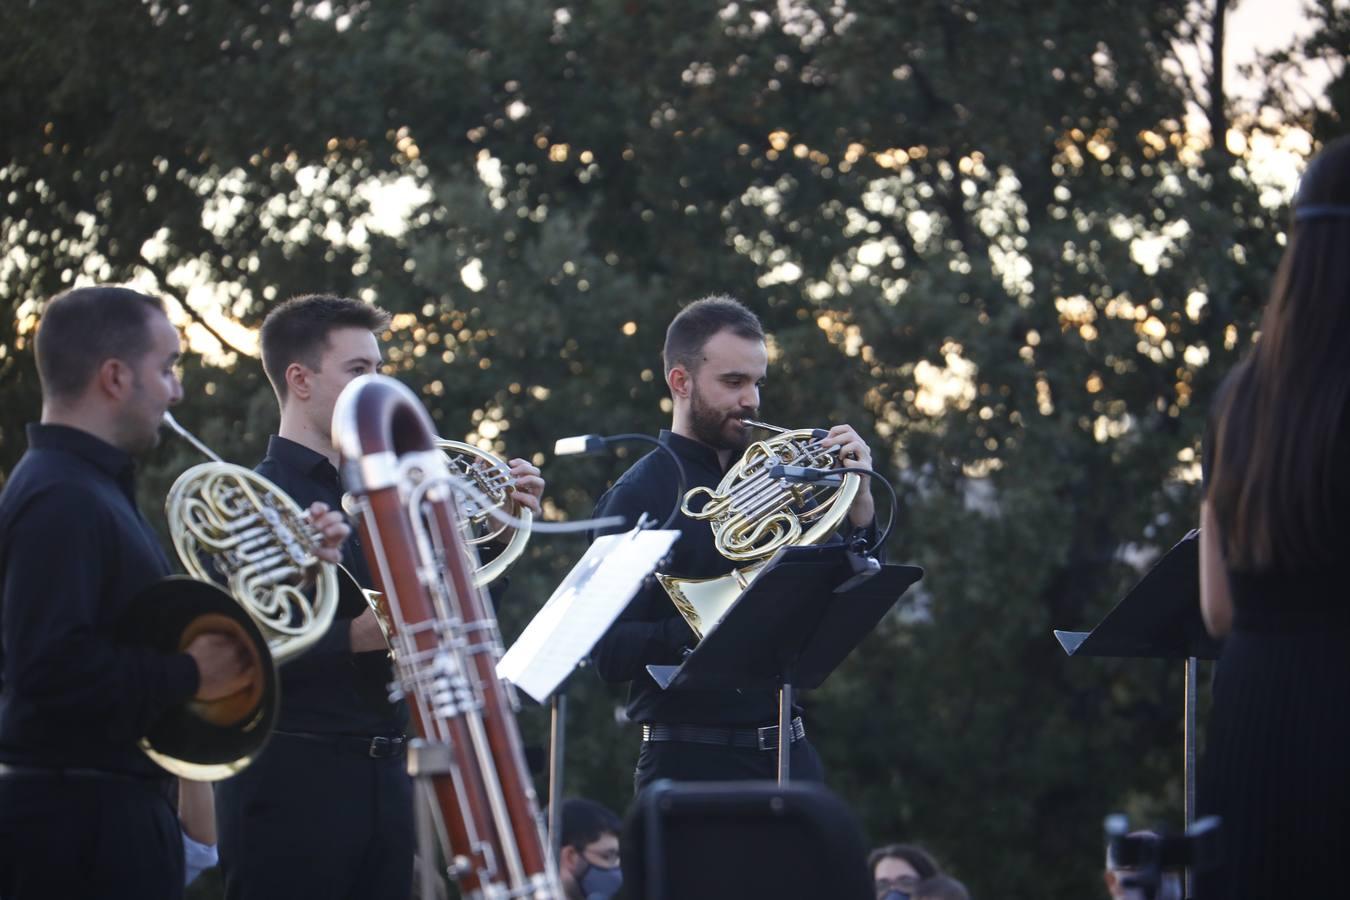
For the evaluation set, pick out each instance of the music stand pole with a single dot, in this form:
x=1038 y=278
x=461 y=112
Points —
x=1188 y=739
x=557 y=746
x=785 y=726
x=426 y=842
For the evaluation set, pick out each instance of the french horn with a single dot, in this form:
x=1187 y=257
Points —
x=753 y=515
x=493 y=479
x=230 y=523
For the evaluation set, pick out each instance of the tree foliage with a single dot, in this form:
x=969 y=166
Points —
x=980 y=232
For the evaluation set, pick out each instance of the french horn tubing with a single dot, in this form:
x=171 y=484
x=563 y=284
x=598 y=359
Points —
x=753 y=515
x=493 y=479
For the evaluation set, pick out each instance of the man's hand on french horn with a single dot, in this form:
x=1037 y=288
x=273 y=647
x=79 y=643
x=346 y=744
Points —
x=854 y=454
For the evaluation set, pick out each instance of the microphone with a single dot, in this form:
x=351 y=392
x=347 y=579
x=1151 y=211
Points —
x=595 y=444
x=803 y=474
x=579 y=445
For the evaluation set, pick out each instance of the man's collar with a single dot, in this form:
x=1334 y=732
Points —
x=114 y=461
x=297 y=456
x=691 y=449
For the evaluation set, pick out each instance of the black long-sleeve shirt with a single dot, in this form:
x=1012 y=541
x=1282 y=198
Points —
x=651 y=631
x=74 y=551
x=328 y=689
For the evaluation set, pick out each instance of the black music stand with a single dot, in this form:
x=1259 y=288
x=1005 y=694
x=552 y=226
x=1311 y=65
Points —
x=790 y=629
x=1160 y=619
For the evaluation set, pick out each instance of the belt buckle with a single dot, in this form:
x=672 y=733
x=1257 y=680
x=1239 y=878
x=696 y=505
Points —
x=768 y=737
x=381 y=747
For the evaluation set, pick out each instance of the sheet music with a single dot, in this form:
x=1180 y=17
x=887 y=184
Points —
x=581 y=610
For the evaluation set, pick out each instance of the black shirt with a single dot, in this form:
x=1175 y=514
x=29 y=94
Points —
x=651 y=631
x=329 y=689
x=74 y=551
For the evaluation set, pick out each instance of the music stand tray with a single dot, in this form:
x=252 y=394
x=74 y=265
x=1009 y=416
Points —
x=582 y=609
x=790 y=629
x=1159 y=618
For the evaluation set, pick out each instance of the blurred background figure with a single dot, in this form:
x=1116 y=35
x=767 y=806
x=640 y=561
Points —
x=589 y=861
x=897 y=869
x=197 y=818
x=1121 y=883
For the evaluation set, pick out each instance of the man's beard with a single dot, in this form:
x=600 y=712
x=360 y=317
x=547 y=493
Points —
x=710 y=426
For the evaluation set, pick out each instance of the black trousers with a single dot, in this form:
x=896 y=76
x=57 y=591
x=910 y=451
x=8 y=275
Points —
x=316 y=819
x=78 y=836
x=685 y=761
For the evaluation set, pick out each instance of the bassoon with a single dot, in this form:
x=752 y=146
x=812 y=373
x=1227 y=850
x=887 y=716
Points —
x=445 y=642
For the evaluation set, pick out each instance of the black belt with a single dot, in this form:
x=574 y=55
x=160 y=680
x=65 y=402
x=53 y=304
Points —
x=377 y=746
x=765 y=738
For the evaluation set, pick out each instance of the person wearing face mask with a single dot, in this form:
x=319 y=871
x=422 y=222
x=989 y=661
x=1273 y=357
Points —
x=898 y=869
x=589 y=861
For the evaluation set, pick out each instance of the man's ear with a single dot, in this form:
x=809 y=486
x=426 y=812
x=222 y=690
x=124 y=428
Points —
x=679 y=381
x=114 y=378
x=297 y=382
x=567 y=858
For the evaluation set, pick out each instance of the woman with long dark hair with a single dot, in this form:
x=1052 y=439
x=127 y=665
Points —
x=1275 y=535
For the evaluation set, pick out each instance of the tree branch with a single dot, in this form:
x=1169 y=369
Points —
x=162 y=277
x=1218 y=114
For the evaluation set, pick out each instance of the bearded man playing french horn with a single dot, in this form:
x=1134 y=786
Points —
x=715 y=363
x=332 y=785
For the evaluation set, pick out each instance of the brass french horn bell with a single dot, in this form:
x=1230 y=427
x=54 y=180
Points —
x=753 y=515
x=204 y=741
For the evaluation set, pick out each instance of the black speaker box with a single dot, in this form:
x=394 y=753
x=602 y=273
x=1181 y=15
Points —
x=743 y=840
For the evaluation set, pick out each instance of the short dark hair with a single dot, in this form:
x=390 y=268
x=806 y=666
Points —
x=82 y=328
x=918 y=858
x=297 y=331
x=940 y=887
x=692 y=328
x=585 y=821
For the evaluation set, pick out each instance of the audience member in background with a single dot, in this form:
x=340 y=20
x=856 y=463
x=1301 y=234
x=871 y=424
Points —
x=940 y=887
x=897 y=870
x=197 y=818
x=1123 y=883
x=589 y=863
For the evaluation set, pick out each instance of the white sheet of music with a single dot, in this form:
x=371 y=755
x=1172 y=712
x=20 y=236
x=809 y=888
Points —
x=581 y=610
